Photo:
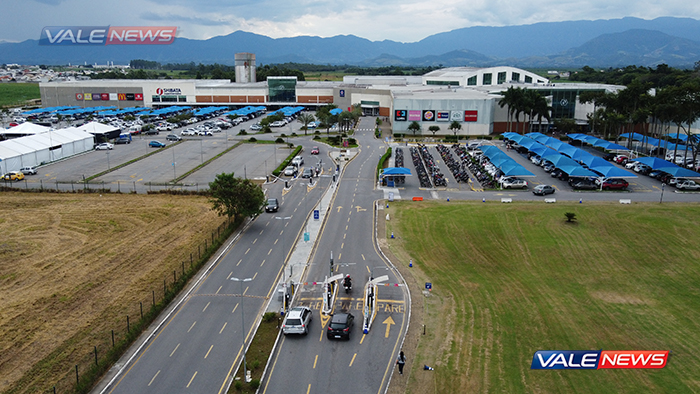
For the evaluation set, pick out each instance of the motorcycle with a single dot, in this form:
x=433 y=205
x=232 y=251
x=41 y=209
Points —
x=348 y=286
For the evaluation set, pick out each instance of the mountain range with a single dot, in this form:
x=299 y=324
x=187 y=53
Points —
x=600 y=43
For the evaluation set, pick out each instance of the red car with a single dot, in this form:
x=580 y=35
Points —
x=314 y=150
x=621 y=159
x=615 y=184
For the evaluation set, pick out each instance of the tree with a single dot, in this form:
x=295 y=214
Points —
x=414 y=127
x=570 y=216
x=455 y=126
x=236 y=197
x=434 y=129
x=305 y=119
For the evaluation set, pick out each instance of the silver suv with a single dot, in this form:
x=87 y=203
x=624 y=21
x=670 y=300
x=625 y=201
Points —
x=297 y=321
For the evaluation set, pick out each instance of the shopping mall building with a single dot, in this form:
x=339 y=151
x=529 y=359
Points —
x=465 y=94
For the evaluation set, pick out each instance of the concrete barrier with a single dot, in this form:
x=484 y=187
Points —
x=625 y=201
x=506 y=200
x=417 y=198
x=550 y=200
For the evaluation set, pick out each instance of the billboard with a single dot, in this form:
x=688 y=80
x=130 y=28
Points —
x=400 y=115
x=428 y=115
x=113 y=97
x=443 y=116
x=471 y=116
x=415 y=115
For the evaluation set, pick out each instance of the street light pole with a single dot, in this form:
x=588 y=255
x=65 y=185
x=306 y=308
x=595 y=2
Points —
x=245 y=367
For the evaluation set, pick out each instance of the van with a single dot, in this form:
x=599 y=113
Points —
x=136 y=129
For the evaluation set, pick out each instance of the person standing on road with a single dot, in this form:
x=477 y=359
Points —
x=401 y=361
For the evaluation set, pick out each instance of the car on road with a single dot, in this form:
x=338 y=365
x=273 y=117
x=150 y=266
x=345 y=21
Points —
x=340 y=326
x=307 y=173
x=298 y=161
x=272 y=205
x=290 y=171
x=173 y=137
x=688 y=185
x=297 y=321
x=156 y=144
x=13 y=176
x=206 y=133
x=543 y=190
x=28 y=170
x=314 y=150
x=104 y=146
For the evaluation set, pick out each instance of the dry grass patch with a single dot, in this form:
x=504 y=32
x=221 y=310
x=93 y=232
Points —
x=74 y=266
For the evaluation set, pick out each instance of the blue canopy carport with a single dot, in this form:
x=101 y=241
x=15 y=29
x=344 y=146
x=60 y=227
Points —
x=393 y=173
x=654 y=162
x=504 y=162
x=610 y=171
x=679 y=172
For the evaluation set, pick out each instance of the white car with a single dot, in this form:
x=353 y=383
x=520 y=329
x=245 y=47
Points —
x=188 y=132
x=290 y=171
x=206 y=133
x=256 y=126
x=298 y=161
x=278 y=123
x=631 y=164
x=297 y=321
x=687 y=185
x=104 y=146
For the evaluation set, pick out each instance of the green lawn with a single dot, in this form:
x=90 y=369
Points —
x=12 y=94
x=512 y=279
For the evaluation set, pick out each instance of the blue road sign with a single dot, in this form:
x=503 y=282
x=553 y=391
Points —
x=316 y=214
x=428 y=286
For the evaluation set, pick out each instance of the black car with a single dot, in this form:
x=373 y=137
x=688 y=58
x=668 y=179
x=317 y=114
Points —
x=272 y=205
x=340 y=326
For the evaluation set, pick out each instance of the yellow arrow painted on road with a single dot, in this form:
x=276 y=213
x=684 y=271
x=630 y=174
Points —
x=324 y=320
x=339 y=208
x=389 y=321
x=359 y=209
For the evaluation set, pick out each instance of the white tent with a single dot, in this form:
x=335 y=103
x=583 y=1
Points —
x=26 y=128
x=43 y=148
x=101 y=130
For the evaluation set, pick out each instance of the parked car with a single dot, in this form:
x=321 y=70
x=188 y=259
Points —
x=173 y=137
x=290 y=171
x=188 y=132
x=298 y=161
x=297 y=321
x=104 y=146
x=307 y=173
x=272 y=205
x=542 y=190
x=340 y=326
x=156 y=144
x=621 y=159
x=205 y=133
x=615 y=184
x=676 y=181
x=631 y=164
x=549 y=167
x=28 y=170
x=642 y=169
x=13 y=176
x=584 y=184
x=688 y=185
x=536 y=160
x=314 y=150
x=277 y=123
x=256 y=127
x=608 y=156
x=514 y=183
x=151 y=131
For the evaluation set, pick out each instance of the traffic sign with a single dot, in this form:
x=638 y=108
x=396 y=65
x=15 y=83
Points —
x=428 y=286
x=316 y=214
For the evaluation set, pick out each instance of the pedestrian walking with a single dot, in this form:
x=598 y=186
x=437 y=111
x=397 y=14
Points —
x=400 y=362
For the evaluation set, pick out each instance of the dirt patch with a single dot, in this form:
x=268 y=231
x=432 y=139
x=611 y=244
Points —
x=74 y=266
x=616 y=298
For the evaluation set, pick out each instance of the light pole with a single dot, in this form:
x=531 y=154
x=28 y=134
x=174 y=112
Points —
x=174 y=176
x=245 y=367
x=109 y=167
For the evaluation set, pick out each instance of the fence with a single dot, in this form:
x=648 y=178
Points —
x=99 y=187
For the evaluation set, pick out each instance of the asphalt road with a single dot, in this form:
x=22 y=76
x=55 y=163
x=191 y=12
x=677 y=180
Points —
x=315 y=364
x=201 y=343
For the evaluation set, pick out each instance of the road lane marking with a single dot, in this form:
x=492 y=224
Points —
x=286 y=224
x=246 y=252
x=247 y=287
x=368 y=269
x=340 y=256
x=256 y=274
x=263 y=262
x=188 y=384
x=217 y=291
x=341 y=247
x=206 y=306
x=234 y=308
x=211 y=347
x=174 y=350
x=239 y=261
x=345 y=235
x=261 y=231
x=276 y=241
x=295 y=209
x=308 y=390
x=363 y=338
x=222 y=328
x=315 y=360
x=389 y=322
x=195 y=322
x=268 y=253
x=229 y=275
x=268 y=223
x=353 y=359
x=256 y=240
x=339 y=208
x=363 y=257
x=154 y=377
x=348 y=220
x=346 y=227
x=281 y=232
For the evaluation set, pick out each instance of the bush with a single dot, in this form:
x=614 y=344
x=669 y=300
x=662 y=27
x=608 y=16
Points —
x=254 y=384
x=294 y=135
x=317 y=137
x=252 y=139
x=352 y=141
x=283 y=135
x=269 y=316
x=242 y=132
x=279 y=140
x=317 y=132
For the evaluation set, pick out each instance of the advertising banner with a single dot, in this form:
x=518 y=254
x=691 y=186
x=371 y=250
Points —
x=400 y=115
x=121 y=96
x=113 y=97
x=79 y=96
x=105 y=96
x=456 y=115
x=138 y=97
x=443 y=116
x=96 y=96
x=88 y=96
x=416 y=115
x=470 y=116
x=130 y=97
x=428 y=115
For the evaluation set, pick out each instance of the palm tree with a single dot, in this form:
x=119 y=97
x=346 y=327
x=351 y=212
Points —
x=508 y=100
x=455 y=126
x=414 y=127
x=305 y=119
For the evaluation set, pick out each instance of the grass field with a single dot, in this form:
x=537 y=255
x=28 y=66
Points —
x=512 y=279
x=12 y=94
x=73 y=266
x=324 y=76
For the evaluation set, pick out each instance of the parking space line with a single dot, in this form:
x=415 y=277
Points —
x=222 y=328
x=353 y=359
x=208 y=351
x=195 y=322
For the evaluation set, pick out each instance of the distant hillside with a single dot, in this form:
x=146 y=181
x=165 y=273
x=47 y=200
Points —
x=601 y=43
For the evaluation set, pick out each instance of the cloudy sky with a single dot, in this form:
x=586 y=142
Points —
x=398 y=20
